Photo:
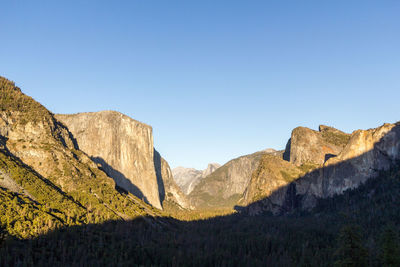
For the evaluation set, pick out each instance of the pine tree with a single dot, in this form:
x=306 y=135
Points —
x=390 y=252
x=2 y=236
x=351 y=252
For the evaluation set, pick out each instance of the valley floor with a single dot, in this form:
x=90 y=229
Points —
x=358 y=228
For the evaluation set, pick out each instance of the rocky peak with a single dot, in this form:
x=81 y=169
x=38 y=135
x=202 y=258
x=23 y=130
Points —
x=40 y=155
x=325 y=128
x=122 y=146
x=365 y=154
x=212 y=167
x=316 y=147
x=269 y=150
x=378 y=148
x=188 y=178
x=225 y=186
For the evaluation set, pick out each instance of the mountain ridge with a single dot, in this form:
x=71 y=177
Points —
x=366 y=153
x=188 y=178
x=40 y=159
x=225 y=186
x=124 y=148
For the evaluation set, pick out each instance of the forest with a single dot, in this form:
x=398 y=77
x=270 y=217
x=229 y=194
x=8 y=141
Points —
x=358 y=228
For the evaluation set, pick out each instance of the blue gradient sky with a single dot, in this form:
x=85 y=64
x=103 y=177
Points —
x=215 y=79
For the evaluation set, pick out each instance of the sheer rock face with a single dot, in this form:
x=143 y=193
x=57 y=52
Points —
x=309 y=146
x=366 y=153
x=122 y=146
x=33 y=142
x=188 y=178
x=225 y=186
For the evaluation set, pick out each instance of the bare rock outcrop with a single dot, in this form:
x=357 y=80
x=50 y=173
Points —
x=188 y=178
x=225 y=186
x=41 y=159
x=122 y=146
x=366 y=153
x=124 y=149
x=309 y=146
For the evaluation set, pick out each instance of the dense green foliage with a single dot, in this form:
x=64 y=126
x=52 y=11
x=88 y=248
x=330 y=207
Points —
x=42 y=190
x=318 y=238
x=39 y=206
x=59 y=180
x=22 y=217
x=390 y=247
x=13 y=100
x=350 y=249
x=76 y=216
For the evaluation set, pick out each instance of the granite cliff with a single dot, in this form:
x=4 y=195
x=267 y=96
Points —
x=225 y=186
x=326 y=166
x=188 y=178
x=309 y=146
x=42 y=168
x=124 y=149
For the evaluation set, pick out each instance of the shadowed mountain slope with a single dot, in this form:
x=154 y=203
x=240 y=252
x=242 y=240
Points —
x=301 y=239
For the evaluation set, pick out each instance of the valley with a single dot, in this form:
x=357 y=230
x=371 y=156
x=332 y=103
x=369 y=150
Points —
x=91 y=189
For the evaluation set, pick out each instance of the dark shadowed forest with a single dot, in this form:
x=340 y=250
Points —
x=358 y=228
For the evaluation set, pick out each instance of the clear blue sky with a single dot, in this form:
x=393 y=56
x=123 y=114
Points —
x=215 y=79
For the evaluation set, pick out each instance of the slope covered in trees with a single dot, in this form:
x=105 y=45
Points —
x=368 y=216
x=57 y=207
x=46 y=182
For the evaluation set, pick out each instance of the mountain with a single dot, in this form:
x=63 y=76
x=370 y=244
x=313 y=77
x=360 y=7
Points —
x=124 y=149
x=362 y=221
x=314 y=165
x=225 y=186
x=321 y=164
x=188 y=178
x=316 y=147
x=43 y=170
x=337 y=195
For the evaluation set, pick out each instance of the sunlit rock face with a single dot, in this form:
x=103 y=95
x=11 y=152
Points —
x=309 y=146
x=188 y=178
x=122 y=146
x=225 y=186
x=44 y=144
x=41 y=160
x=367 y=153
x=297 y=182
